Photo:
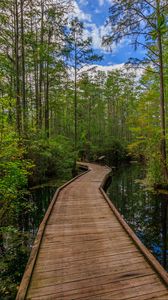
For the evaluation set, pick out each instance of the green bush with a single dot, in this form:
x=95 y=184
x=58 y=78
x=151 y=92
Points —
x=154 y=169
x=14 y=171
x=114 y=152
x=53 y=157
x=15 y=255
x=13 y=177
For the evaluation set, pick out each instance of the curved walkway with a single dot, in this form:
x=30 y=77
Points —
x=87 y=252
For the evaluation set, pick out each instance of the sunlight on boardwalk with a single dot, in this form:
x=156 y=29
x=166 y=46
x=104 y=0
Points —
x=86 y=253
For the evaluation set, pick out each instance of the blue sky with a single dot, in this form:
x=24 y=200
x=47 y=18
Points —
x=94 y=14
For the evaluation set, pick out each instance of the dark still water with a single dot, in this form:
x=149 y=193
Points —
x=146 y=212
x=17 y=240
x=40 y=198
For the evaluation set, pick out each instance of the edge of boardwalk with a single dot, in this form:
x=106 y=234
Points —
x=150 y=258
x=23 y=288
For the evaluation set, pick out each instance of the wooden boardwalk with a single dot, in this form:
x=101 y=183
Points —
x=84 y=250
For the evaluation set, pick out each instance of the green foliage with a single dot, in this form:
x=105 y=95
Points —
x=15 y=254
x=53 y=157
x=154 y=169
x=114 y=152
x=14 y=172
x=136 y=149
x=14 y=169
x=144 y=124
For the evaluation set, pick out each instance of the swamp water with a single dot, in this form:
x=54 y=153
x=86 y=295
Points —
x=16 y=243
x=41 y=198
x=145 y=211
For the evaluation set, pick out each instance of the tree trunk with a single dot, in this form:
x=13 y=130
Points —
x=23 y=70
x=47 y=90
x=89 y=120
x=18 y=103
x=75 y=99
x=36 y=76
x=41 y=67
x=162 y=97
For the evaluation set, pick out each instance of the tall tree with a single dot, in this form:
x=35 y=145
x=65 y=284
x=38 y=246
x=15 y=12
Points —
x=17 y=69
x=80 y=54
x=23 y=67
x=146 y=23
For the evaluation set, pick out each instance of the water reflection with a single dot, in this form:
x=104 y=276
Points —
x=144 y=211
x=41 y=198
x=17 y=239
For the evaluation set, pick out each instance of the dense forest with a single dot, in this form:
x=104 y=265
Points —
x=57 y=107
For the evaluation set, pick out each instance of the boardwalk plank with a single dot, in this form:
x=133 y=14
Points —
x=152 y=296
x=106 y=274
x=105 y=262
x=129 y=288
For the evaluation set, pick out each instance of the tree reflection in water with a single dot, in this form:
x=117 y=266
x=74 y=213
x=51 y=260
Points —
x=146 y=212
x=41 y=198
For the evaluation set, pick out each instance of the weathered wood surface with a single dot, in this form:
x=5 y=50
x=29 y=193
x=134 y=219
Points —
x=86 y=251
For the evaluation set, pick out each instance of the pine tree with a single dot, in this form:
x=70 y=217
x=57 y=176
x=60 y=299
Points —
x=80 y=54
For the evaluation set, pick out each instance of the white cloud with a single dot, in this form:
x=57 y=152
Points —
x=107 y=68
x=92 y=30
x=97 y=11
x=77 y=12
x=83 y=2
x=97 y=33
x=92 y=70
x=101 y=2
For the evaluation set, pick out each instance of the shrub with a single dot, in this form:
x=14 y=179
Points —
x=154 y=169
x=54 y=157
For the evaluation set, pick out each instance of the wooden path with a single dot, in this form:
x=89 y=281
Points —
x=84 y=250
